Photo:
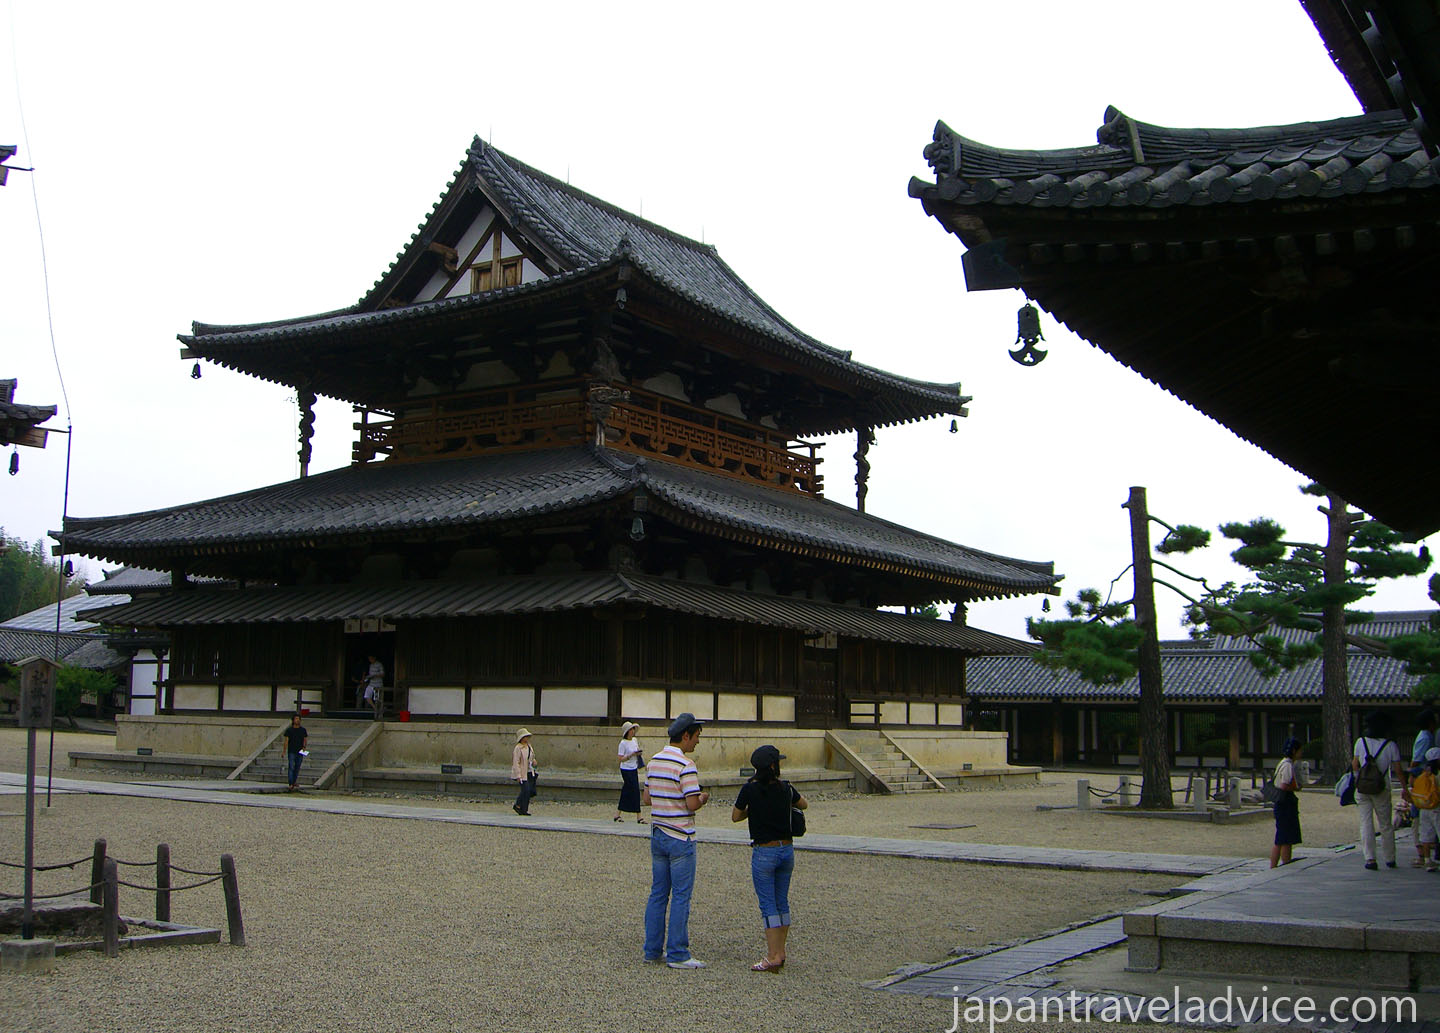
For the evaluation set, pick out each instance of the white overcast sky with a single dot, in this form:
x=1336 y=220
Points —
x=249 y=162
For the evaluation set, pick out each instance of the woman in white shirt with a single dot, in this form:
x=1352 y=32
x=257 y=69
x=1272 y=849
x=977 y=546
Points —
x=1287 y=804
x=1375 y=806
x=630 y=760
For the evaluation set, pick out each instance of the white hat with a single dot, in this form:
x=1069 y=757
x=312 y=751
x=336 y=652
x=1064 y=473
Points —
x=522 y=734
x=1433 y=753
x=627 y=727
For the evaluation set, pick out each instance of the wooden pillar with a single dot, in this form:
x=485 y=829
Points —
x=1233 y=713
x=864 y=438
x=1057 y=736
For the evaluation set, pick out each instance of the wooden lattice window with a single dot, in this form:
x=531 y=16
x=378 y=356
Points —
x=483 y=276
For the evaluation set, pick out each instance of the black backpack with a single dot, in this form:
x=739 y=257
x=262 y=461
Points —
x=1371 y=779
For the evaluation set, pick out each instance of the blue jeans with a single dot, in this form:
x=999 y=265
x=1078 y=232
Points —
x=770 y=869
x=672 y=878
x=295 y=760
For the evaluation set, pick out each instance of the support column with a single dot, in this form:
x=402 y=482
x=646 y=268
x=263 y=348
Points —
x=864 y=438
x=1057 y=737
x=1233 y=712
x=306 y=399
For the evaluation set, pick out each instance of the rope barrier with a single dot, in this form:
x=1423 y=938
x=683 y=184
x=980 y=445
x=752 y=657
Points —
x=46 y=867
x=187 y=871
x=133 y=864
x=49 y=896
x=169 y=889
x=1096 y=792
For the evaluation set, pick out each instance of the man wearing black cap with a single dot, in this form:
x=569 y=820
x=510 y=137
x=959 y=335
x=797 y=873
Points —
x=672 y=788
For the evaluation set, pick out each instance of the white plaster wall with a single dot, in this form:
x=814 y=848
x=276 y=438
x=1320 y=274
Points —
x=892 y=713
x=436 y=701
x=574 y=702
x=728 y=404
x=737 y=706
x=950 y=714
x=247 y=697
x=922 y=713
x=197 y=697
x=637 y=703
x=143 y=672
x=701 y=704
x=518 y=701
x=778 y=708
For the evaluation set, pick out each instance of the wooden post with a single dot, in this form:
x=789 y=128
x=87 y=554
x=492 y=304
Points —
x=162 y=882
x=97 y=873
x=1233 y=710
x=232 y=900
x=110 y=916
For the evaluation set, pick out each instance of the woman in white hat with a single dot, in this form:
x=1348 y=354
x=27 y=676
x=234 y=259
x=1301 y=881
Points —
x=522 y=770
x=630 y=761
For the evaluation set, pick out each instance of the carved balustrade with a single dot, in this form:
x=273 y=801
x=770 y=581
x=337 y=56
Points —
x=562 y=413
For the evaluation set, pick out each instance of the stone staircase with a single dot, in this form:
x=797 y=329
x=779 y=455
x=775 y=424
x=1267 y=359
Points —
x=886 y=763
x=328 y=741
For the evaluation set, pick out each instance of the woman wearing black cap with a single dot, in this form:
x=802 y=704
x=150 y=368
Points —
x=766 y=800
x=1287 y=804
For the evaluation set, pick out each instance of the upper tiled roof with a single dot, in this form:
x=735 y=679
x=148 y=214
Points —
x=539 y=594
x=133 y=580
x=1209 y=671
x=1135 y=164
x=43 y=618
x=402 y=498
x=584 y=236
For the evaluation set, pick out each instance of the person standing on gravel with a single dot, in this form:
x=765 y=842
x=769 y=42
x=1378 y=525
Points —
x=766 y=801
x=672 y=788
x=630 y=759
x=295 y=739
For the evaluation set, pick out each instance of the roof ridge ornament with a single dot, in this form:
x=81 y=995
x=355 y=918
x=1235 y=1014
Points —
x=1119 y=130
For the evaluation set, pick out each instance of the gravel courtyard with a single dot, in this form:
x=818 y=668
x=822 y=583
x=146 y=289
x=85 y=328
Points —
x=360 y=923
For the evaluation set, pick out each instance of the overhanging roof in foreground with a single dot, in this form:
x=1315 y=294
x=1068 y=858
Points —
x=525 y=595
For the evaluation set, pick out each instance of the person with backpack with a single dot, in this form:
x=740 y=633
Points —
x=1425 y=798
x=1374 y=760
x=1287 y=804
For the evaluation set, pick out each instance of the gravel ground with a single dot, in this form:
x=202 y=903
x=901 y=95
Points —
x=380 y=924
x=358 y=923
x=997 y=815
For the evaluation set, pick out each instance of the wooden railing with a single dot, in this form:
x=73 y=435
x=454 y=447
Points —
x=561 y=413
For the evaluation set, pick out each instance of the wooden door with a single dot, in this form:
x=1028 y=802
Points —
x=818 y=705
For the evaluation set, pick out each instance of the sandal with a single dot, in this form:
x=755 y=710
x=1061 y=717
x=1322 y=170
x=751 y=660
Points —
x=764 y=965
x=617 y=817
x=641 y=821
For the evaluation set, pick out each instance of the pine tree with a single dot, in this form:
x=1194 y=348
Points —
x=28 y=578
x=1299 y=606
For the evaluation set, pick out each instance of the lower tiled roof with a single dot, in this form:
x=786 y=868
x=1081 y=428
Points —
x=521 y=595
x=403 y=498
x=18 y=644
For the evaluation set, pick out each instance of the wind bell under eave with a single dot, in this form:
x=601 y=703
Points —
x=1028 y=336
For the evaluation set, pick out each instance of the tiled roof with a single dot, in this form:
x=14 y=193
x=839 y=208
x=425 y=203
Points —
x=519 y=595
x=1135 y=164
x=402 y=498
x=133 y=580
x=824 y=525
x=16 y=418
x=585 y=236
x=1207 y=672
x=18 y=644
x=43 y=618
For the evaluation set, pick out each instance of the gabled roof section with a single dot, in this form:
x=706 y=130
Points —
x=1139 y=165
x=588 y=242
x=395 y=500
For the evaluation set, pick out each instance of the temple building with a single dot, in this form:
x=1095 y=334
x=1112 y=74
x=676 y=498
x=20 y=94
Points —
x=585 y=487
x=1279 y=279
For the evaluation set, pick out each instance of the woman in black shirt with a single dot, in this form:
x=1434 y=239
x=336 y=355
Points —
x=766 y=800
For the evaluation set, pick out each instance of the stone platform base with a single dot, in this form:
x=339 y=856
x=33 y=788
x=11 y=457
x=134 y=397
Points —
x=27 y=955
x=1323 y=920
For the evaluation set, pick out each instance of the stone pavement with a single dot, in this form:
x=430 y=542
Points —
x=242 y=794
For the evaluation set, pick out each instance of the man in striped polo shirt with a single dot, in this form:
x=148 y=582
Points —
x=672 y=789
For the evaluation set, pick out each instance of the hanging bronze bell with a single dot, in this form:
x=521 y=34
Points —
x=1028 y=336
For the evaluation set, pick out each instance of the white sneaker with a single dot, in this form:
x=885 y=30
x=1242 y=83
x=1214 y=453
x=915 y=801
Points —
x=687 y=963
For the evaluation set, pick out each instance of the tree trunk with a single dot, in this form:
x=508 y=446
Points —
x=1154 y=736
x=1334 y=676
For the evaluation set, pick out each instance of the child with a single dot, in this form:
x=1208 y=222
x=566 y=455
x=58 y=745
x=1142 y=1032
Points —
x=1424 y=793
